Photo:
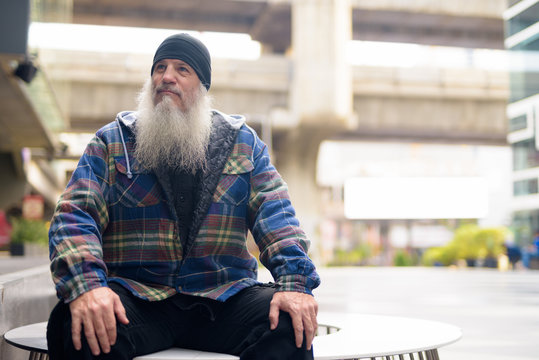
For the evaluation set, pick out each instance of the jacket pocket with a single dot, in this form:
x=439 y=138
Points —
x=141 y=190
x=234 y=183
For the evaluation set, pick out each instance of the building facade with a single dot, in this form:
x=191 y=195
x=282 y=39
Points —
x=522 y=41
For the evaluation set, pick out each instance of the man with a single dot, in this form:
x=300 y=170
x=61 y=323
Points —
x=148 y=241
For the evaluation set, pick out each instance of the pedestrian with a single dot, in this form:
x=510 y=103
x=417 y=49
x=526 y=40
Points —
x=148 y=241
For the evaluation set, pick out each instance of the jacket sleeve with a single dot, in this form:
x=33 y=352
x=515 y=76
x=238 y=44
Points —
x=80 y=218
x=275 y=228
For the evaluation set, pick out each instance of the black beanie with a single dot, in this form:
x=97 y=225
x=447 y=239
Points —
x=189 y=49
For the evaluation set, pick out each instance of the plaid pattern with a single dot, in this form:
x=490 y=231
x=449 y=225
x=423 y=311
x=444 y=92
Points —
x=110 y=228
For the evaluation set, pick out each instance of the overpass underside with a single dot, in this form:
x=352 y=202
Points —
x=445 y=105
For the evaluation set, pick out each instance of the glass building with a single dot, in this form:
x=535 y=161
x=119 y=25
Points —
x=522 y=41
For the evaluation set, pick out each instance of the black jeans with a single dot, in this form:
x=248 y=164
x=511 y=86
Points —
x=239 y=326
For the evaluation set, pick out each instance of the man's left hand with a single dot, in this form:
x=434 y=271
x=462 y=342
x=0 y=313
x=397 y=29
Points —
x=302 y=308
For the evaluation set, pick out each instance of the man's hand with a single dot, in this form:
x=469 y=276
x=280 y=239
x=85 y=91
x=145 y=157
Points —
x=302 y=308
x=96 y=311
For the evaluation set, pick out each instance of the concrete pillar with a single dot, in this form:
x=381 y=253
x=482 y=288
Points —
x=296 y=156
x=320 y=100
x=321 y=79
x=12 y=179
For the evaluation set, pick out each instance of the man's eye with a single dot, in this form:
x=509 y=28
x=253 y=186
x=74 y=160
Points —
x=160 y=67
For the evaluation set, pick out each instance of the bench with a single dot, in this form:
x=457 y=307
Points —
x=340 y=336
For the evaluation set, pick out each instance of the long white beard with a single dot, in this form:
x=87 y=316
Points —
x=168 y=136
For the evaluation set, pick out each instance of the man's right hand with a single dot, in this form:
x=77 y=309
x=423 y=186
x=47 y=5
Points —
x=96 y=311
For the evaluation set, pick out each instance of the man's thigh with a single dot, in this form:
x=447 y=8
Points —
x=153 y=325
x=237 y=323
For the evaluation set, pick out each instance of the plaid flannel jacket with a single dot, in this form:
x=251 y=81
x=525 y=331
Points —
x=116 y=222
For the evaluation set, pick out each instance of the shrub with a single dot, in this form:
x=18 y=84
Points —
x=470 y=242
x=432 y=256
x=491 y=241
x=29 y=231
x=355 y=256
x=402 y=258
x=465 y=240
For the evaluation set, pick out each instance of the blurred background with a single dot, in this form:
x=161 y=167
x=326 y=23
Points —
x=405 y=129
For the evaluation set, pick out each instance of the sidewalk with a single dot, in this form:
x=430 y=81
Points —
x=9 y=264
x=498 y=312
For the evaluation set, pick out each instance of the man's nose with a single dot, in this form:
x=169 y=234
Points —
x=168 y=75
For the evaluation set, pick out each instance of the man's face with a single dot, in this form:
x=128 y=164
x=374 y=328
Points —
x=176 y=79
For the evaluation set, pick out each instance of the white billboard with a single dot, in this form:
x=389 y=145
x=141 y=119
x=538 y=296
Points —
x=416 y=198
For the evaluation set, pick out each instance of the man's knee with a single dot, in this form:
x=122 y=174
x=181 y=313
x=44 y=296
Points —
x=277 y=344
x=285 y=328
x=60 y=344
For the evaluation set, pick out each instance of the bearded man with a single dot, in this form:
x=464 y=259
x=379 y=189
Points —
x=148 y=241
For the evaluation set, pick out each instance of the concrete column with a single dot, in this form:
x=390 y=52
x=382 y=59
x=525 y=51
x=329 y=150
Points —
x=321 y=79
x=296 y=160
x=320 y=100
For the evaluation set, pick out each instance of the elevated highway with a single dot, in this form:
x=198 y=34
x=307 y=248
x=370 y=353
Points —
x=440 y=104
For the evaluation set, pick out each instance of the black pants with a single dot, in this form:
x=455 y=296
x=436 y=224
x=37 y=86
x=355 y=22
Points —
x=239 y=326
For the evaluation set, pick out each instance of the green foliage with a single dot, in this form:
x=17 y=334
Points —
x=432 y=256
x=403 y=258
x=450 y=254
x=465 y=240
x=445 y=255
x=29 y=231
x=491 y=242
x=470 y=242
x=352 y=257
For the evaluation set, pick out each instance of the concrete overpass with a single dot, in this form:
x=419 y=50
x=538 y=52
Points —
x=450 y=23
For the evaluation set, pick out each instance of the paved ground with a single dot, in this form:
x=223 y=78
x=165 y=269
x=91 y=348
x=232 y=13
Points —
x=498 y=312
x=10 y=264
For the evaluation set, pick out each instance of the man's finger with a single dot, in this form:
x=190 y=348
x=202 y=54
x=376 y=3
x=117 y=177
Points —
x=297 y=323
x=107 y=336
x=274 y=315
x=119 y=310
x=89 y=333
x=110 y=329
x=76 y=327
x=102 y=335
x=310 y=331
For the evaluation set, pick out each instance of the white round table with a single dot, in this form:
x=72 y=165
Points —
x=351 y=336
x=371 y=336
